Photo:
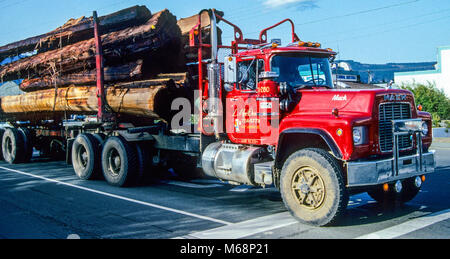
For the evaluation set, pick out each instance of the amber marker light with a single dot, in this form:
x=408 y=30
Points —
x=339 y=132
x=423 y=178
x=385 y=187
x=419 y=107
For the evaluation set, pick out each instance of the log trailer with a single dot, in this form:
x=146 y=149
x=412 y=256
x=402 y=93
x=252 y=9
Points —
x=266 y=115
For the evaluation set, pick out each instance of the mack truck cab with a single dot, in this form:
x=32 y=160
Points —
x=276 y=118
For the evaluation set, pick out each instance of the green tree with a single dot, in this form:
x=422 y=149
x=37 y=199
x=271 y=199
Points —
x=433 y=100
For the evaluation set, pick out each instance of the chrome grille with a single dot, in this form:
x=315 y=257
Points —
x=387 y=113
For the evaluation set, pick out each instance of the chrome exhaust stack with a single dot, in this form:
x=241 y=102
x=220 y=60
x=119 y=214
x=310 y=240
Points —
x=214 y=79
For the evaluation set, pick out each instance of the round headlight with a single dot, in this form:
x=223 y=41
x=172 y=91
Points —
x=356 y=136
x=424 y=128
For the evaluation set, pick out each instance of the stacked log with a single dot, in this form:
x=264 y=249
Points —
x=76 y=30
x=148 y=98
x=186 y=24
x=144 y=59
x=158 y=37
x=131 y=71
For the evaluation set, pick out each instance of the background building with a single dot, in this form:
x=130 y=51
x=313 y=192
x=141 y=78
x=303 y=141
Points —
x=440 y=76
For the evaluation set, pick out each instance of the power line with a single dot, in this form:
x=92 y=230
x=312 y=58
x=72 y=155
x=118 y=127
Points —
x=393 y=29
x=347 y=15
x=358 y=12
x=14 y=3
x=384 y=24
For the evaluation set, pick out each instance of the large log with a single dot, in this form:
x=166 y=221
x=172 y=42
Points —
x=160 y=36
x=187 y=24
x=76 y=30
x=149 y=102
x=128 y=72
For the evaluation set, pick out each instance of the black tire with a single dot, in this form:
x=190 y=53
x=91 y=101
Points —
x=100 y=137
x=86 y=157
x=143 y=151
x=318 y=177
x=391 y=197
x=2 y=131
x=13 y=147
x=28 y=141
x=119 y=162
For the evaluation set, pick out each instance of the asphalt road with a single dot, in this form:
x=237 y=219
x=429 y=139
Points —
x=44 y=199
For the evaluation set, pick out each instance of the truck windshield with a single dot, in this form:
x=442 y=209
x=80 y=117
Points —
x=302 y=71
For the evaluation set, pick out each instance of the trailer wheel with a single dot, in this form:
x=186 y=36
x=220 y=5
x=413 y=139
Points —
x=28 y=141
x=2 y=131
x=119 y=162
x=13 y=146
x=86 y=156
x=313 y=188
x=144 y=160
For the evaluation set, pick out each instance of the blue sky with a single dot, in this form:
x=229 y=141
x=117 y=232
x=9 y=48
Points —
x=369 y=31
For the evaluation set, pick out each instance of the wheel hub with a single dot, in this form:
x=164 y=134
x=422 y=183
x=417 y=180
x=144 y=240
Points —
x=114 y=162
x=308 y=187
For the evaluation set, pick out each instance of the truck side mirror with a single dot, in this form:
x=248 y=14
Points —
x=230 y=72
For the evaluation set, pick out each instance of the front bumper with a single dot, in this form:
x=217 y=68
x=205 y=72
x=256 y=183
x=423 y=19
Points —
x=382 y=171
x=396 y=168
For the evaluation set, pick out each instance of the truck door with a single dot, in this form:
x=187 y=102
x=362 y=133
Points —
x=244 y=106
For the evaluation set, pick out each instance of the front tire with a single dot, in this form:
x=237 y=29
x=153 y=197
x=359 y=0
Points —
x=313 y=188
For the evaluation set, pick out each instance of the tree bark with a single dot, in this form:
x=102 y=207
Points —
x=76 y=30
x=128 y=72
x=159 y=34
x=150 y=100
x=187 y=24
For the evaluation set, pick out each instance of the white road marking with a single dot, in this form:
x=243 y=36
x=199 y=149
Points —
x=244 y=188
x=208 y=181
x=409 y=226
x=120 y=197
x=246 y=228
x=240 y=188
x=191 y=185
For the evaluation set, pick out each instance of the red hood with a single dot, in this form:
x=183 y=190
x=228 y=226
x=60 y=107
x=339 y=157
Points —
x=347 y=101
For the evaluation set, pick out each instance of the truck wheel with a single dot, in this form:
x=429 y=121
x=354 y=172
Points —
x=144 y=160
x=119 y=162
x=13 y=146
x=2 y=131
x=28 y=141
x=86 y=156
x=313 y=188
x=391 y=197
